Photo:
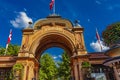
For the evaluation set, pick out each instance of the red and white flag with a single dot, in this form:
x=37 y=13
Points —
x=51 y=4
x=9 y=39
x=98 y=38
x=97 y=35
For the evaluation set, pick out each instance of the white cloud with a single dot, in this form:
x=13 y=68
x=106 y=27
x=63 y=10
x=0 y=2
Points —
x=60 y=56
x=55 y=57
x=21 y=21
x=96 y=46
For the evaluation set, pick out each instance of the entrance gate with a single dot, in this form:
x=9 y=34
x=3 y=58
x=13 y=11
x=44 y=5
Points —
x=46 y=33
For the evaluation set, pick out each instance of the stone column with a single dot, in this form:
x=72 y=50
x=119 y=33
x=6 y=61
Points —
x=36 y=73
x=75 y=71
x=31 y=71
x=80 y=71
x=72 y=72
x=26 y=68
x=27 y=72
x=116 y=73
x=29 y=67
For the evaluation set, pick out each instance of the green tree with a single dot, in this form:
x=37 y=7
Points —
x=111 y=34
x=2 y=51
x=48 y=69
x=64 y=67
x=11 y=50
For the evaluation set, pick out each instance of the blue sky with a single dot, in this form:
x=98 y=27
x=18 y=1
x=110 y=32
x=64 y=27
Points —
x=91 y=14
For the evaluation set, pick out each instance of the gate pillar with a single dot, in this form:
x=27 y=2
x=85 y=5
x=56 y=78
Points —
x=76 y=65
x=31 y=66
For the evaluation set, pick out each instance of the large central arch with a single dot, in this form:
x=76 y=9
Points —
x=49 y=32
x=51 y=39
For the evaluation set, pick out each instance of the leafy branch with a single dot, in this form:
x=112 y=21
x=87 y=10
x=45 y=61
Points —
x=112 y=34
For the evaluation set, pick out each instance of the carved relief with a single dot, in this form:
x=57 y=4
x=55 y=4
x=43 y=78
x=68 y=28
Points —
x=25 y=44
x=56 y=30
x=30 y=64
x=79 y=43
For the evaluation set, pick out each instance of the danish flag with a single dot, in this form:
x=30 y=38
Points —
x=98 y=38
x=51 y=4
x=97 y=35
x=9 y=39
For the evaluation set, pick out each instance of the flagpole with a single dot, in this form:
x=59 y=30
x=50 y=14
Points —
x=8 y=41
x=100 y=45
x=54 y=8
x=98 y=39
x=6 y=49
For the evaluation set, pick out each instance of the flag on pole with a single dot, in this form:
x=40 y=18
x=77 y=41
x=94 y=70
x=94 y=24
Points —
x=98 y=38
x=97 y=35
x=8 y=41
x=51 y=4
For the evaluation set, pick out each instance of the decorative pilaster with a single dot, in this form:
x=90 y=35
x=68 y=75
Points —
x=72 y=71
x=116 y=73
x=36 y=72
x=80 y=71
x=79 y=41
x=30 y=67
x=76 y=71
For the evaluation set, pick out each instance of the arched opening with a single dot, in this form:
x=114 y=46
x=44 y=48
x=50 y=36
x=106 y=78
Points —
x=54 y=61
x=52 y=40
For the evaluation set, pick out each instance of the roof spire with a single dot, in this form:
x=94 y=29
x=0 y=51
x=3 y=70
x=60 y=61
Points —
x=29 y=25
x=77 y=23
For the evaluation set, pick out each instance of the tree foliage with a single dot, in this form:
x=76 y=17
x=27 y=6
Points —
x=48 y=69
x=2 y=50
x=11 y=50
x=112 y=34
x=17 y=70
x=18 y=66
x=86 y=64
x=51 y=71
x=64 y=67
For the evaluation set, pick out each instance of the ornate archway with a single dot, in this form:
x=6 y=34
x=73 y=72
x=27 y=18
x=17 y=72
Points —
x=49 y=32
